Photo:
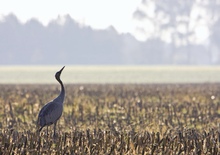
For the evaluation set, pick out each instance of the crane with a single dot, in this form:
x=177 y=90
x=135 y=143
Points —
x=52 y=111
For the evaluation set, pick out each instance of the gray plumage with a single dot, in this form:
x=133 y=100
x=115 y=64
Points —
x=52 y=111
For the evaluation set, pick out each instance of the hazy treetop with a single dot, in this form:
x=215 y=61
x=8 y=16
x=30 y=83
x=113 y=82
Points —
x=177 y=32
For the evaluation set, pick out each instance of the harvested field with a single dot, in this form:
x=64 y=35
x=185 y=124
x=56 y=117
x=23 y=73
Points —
x=113 y=119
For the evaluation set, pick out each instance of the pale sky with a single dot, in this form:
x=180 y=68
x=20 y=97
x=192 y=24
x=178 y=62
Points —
x=97 y=13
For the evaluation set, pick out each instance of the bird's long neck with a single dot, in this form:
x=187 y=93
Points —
x=60 y=98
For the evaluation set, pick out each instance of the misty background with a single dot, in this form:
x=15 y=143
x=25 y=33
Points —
x=171 y=32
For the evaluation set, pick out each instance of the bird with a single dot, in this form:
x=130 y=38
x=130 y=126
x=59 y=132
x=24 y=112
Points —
x=52 y=111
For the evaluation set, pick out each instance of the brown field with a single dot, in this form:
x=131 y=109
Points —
x=161 y=119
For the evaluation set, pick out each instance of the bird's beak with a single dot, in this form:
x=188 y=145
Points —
x=62 y=69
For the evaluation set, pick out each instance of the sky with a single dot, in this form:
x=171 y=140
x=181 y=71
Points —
x=98 y=14
x=146 y=20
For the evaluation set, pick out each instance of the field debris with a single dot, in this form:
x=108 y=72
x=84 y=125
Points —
x=145 y=119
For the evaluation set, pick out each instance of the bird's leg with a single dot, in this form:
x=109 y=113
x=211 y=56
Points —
x=40 y=129
x=47 y=130
x=54 y=129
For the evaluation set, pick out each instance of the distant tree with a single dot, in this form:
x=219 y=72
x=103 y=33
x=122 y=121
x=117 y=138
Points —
x=213 y=8
x=56 y=43
x=182 y=24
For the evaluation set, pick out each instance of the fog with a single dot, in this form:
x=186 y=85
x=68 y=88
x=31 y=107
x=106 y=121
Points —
x=169 y=32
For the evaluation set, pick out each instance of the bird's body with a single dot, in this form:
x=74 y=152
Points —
x=52 y=111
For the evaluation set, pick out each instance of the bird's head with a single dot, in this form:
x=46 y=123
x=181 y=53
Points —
x=57 y=75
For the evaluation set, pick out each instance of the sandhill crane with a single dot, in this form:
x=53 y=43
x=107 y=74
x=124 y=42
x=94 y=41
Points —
x=51 y=112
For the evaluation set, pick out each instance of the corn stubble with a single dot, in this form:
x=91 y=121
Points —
x=114 y=119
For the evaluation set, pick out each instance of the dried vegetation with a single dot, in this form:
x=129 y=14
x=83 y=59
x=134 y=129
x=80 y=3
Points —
x=114 y=119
